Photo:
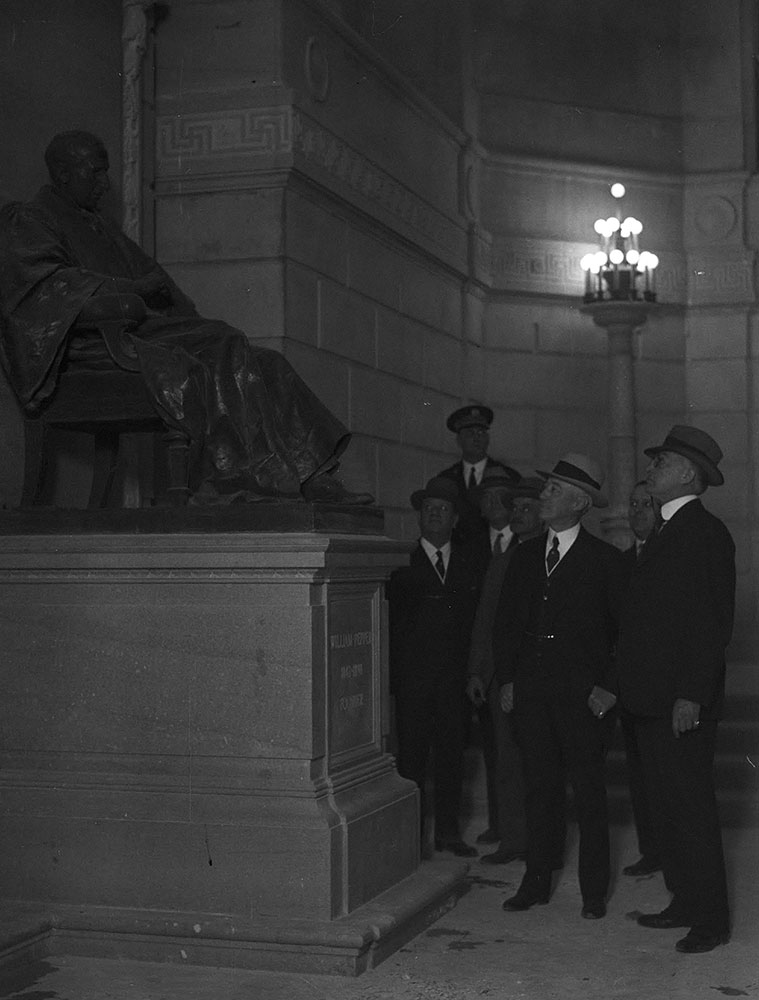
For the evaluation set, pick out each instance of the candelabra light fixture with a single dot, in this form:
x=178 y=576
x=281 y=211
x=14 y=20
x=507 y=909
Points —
x=615 y=270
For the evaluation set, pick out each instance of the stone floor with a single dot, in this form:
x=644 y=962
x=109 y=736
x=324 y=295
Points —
x=475 y=951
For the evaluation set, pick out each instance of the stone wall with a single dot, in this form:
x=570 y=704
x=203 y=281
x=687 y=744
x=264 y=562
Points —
x=409 y=238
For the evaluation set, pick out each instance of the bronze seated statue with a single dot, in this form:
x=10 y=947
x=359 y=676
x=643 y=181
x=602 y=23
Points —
x=257 y=428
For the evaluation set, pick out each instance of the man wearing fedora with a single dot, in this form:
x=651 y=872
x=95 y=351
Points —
x=553 y=645
x=676 y=623
x=471 y=425
x=433 y=602
x=513 y=515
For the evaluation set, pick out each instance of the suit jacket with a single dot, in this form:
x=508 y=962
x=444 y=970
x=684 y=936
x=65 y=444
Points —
x=578 y=604
x=431 y=621
x=678 y=616
x=481 y=662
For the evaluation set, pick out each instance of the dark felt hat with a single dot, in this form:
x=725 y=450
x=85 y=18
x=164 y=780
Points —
x=696 y=445
x=494 y=477
x=469 y=416
x=529 y=486
x=438 y=488
x=581 y=471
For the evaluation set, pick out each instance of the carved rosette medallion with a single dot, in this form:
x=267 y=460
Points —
x=316 y=67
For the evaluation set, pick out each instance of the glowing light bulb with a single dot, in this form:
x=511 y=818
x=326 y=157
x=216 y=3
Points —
x=612 y=224
x=616 y=256
x=635 y=227
x=632 y=256
x=586 y=262
x=617 y=190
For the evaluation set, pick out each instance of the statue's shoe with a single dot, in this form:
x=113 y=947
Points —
x=328 y=489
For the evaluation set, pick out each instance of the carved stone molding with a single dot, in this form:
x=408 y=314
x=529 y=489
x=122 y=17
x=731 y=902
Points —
x=133 y=46
x=721 y=277
x=524 y=265
x=189 y=138
x=369 y=184
x=553 y=267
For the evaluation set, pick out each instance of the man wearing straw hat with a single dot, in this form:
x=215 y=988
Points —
x=676 y=623
x=554 y=637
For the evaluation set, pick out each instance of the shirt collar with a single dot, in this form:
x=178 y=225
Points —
x=566 y=537
x=479 y=467
x=672 y=506
x=432 y=550
x=506 y=533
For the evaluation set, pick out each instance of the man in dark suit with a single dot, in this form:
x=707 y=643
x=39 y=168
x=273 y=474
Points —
x=471 y=425
x=676 y=623
x=513 y=515
x=433 y=601
x=554 y=649
x=644 y=518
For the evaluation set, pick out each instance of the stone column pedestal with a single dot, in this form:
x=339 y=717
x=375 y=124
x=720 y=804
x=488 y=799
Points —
x=192 y=762
x=620 y=320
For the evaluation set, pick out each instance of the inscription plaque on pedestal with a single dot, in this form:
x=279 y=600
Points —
x=351 y=660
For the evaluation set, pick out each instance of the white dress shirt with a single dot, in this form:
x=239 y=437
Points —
x=432 y=552
x=567 y=538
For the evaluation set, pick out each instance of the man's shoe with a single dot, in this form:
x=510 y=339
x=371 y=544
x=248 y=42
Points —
x=457 y=847
x=594 y=909
x=697 y=941
x=503 y=856
x=525 y=898
x=489 y=836
x=665 y=920
x=326 y=488
x=643 y=866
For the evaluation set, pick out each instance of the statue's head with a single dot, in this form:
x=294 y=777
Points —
x=78 y=166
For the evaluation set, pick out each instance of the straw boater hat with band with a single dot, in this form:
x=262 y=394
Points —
x=581 y=471
x=695 y=445
x=438 y=488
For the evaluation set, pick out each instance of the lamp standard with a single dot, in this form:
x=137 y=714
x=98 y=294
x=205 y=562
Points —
x=615 y=302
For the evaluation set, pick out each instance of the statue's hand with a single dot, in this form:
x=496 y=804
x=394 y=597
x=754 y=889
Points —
x=112 y=306
x=154 y=289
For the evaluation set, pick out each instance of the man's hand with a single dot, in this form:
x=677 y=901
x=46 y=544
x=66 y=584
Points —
x=685 y=716
x=601 y=701
x=475 y=690
x=507 y=697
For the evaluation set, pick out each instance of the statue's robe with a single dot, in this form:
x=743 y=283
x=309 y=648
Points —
x=261 y=427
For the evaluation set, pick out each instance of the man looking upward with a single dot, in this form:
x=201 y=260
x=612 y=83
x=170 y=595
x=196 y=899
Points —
x=432 y=606
x=553 y=645
x=676 y=623
x=513 y=513
x=471 y=425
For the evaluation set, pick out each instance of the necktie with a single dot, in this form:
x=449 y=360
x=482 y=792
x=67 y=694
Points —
x=498 y=544
x=472 y=479
x=440 y=565
x=552 y=556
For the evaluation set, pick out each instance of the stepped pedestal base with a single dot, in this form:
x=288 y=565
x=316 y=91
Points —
x=192 y=761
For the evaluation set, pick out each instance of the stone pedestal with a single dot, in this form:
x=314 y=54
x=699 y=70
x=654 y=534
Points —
x=192 y=762
x=620 y=320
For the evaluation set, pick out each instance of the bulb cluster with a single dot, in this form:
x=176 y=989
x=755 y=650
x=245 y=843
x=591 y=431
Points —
x=612 y=272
